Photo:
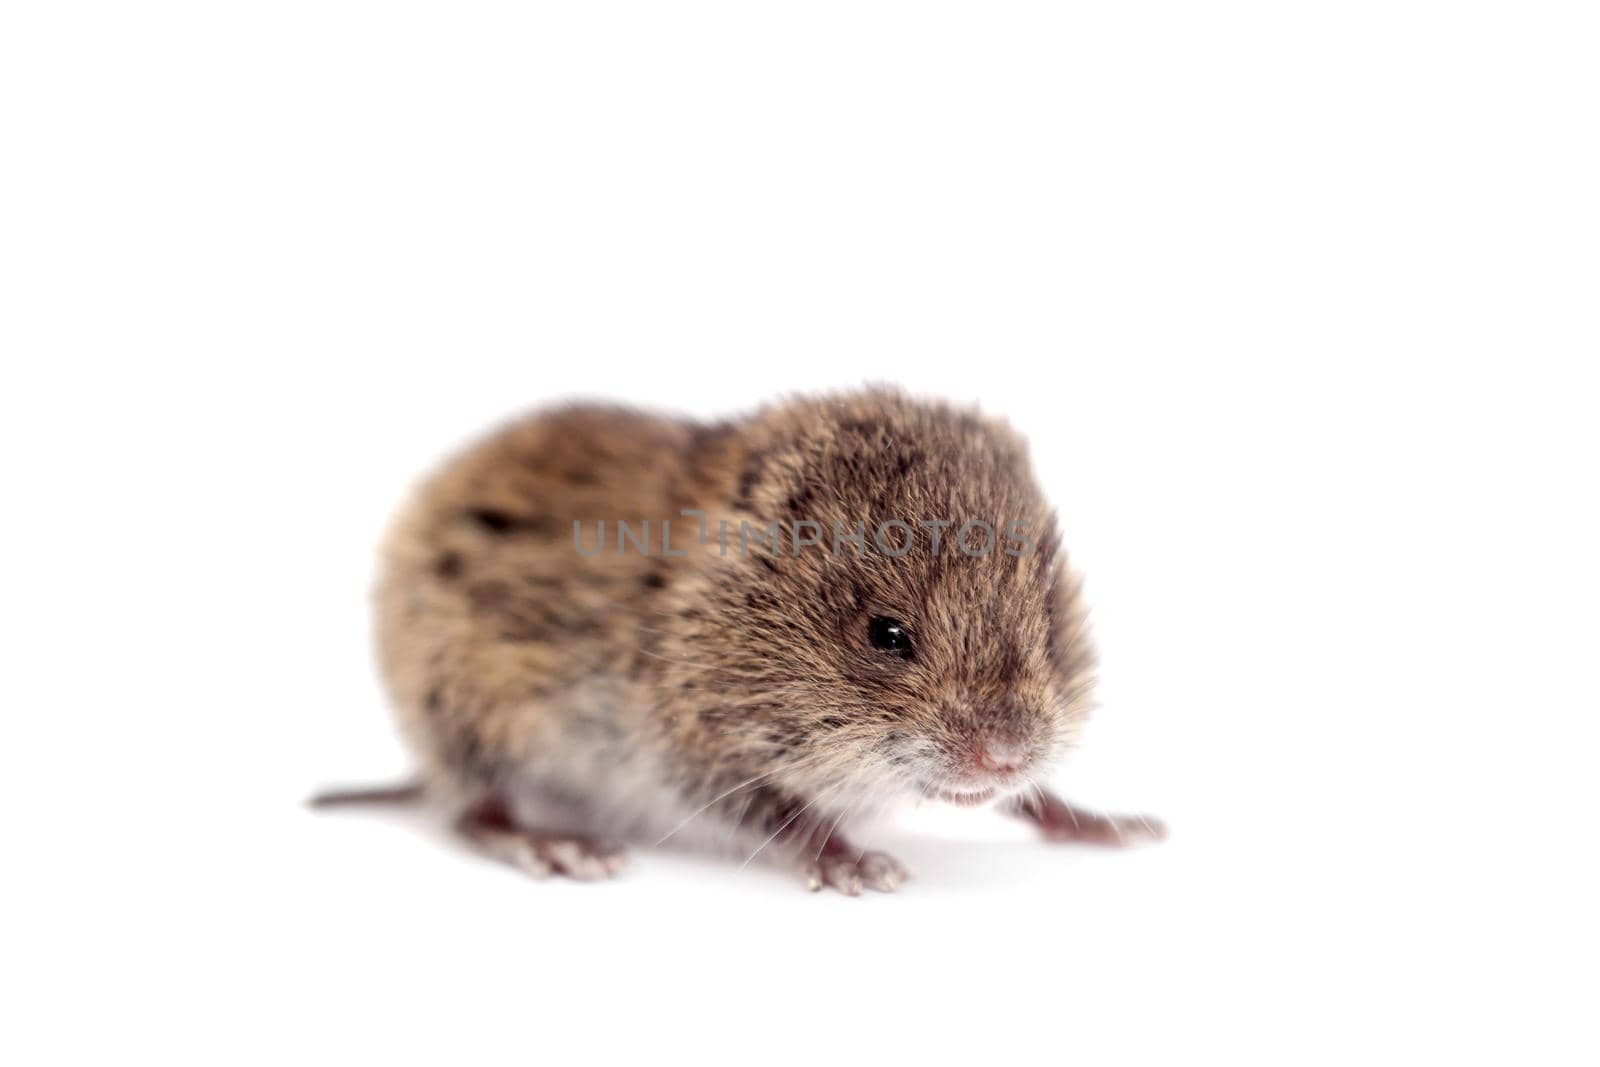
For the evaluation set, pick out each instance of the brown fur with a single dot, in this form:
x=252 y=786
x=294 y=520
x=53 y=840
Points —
x=626 y=690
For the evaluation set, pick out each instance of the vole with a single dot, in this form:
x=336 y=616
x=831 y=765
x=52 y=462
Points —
x=603 y=625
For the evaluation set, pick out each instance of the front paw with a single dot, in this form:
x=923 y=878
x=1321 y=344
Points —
x=850 y=874
x=1097 y=828
x=1059 y=821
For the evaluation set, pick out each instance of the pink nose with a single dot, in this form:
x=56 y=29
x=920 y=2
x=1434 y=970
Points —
x=1001 y=757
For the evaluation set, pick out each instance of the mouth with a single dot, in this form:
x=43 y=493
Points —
x=967 y=798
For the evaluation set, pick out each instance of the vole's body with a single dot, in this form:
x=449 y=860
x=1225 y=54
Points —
x=731 y=694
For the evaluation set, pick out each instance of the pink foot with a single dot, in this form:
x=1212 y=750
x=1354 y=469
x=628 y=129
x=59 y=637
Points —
x=1060 y=821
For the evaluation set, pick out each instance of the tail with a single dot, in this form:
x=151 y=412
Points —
x=404 y=793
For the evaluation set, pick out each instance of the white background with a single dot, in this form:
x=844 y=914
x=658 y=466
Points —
x=1297 y=303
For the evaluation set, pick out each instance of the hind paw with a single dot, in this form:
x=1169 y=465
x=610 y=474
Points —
x=544 y=854
x=540 y=853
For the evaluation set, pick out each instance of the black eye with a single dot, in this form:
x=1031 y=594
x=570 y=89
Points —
x=890 y=635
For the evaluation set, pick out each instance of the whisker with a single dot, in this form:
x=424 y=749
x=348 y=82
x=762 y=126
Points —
x=786 y=825
x=829 y=835
x=713 y=800
x=787 y=766
x=738 y=823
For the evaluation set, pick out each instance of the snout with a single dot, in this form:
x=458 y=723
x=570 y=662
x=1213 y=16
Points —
x=985 y=767
x=999 y=758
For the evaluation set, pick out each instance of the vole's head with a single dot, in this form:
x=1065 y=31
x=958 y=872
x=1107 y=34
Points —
x=957 y=671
